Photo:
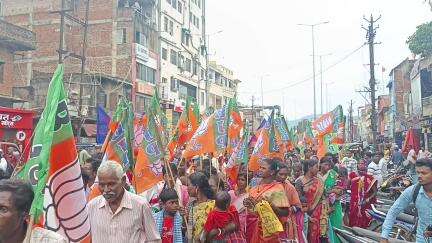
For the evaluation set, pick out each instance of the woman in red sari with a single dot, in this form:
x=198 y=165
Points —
x=312 y=189
x=269 y=191
x=292 y=231
x=363 y=195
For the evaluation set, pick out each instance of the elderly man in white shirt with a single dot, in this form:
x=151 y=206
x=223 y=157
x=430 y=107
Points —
x=118 y=215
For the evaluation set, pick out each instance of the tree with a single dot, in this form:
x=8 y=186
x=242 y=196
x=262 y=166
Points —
x=420 y=43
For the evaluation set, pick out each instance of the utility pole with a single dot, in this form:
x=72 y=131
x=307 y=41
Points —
x=370 y=36
x=63 y=54
x=253 y=111
x=351 y=123
x=313 y=59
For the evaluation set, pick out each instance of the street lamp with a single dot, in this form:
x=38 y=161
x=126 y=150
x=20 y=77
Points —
x=313 y=58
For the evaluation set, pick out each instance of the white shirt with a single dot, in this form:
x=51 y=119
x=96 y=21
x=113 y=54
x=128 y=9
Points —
x=3 y=164
x=377 y=171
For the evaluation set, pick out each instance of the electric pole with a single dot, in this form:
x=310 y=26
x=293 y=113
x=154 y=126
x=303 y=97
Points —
x=370 y=36
x=253 y=112
x=67 y=14
x=351 y=123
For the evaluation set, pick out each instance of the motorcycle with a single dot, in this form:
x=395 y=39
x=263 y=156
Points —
x=393 y=186
x=404 y=227
x=356 y=234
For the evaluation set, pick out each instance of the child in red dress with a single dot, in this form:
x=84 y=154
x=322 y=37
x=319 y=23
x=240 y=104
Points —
x=222 y=215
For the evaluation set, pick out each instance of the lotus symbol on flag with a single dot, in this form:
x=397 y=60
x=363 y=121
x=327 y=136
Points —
x=64 y=208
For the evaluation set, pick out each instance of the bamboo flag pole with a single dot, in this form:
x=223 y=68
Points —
x=29 y=229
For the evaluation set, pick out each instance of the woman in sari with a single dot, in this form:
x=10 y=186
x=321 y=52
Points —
x=199 y=188
x=293 y=227
x=363 y=195
x=237 y=198
x=312 y=188
x=264 y=223
x=332 y=194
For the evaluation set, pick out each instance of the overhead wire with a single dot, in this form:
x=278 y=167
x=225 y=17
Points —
x=311 y=76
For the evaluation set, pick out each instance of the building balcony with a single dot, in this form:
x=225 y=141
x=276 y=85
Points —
x=16 y=38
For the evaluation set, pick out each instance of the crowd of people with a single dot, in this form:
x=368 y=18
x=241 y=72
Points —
x=298 y=199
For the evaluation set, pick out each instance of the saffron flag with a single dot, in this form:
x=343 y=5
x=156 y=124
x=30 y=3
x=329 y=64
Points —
x=102 y=125
x=60 y=203
x=159 y=116
x=148 y=166
x=239 y=157
x=235 y=125
x=330 y=128
x=266 y=145
x=118 y=144
x=211 y=136
x=186 y=126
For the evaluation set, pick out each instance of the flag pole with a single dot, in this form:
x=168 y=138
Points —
x=29 y=229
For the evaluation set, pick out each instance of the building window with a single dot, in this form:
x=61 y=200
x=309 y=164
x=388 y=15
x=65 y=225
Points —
x=165 y=24
x=202 y=98
x=169 y=2
x=173 y=57
x=202 y=73
x=185 y=37
x=142 y=102
x=195 y=67
x=190 y=17
x=121 y=36
x=174 y=84
x=164 y=54
x=174 y=4
x=180 y=7
x=188 y=65
x=140 y=38
x=171 y=28
x=146 y=74
x=101 y=98
x=199 y=3
x=180 y=61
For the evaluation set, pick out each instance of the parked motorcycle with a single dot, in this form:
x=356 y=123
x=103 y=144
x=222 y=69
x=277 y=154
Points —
x=356 y=234
x=403 y=228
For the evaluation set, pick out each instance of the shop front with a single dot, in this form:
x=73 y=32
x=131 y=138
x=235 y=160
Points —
x=16 y=130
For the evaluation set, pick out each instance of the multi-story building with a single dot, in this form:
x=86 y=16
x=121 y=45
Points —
x=121 y=57
x=14 y=41
x=383 y=117
x=221 y=85
x=399 y=90
x=364 y=124
x=183 y=54
x=421 y=93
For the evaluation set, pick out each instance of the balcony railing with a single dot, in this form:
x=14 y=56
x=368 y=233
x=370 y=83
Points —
x=19 y=39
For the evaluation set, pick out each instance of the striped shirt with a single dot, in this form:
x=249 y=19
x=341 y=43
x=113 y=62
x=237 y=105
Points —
x=132 y=222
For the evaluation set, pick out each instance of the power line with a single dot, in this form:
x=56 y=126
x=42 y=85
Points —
x=311 y=76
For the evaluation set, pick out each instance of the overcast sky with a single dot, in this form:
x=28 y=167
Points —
x=263 y=38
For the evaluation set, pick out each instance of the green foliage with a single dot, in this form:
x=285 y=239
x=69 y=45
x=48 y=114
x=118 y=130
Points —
x=420 y=43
